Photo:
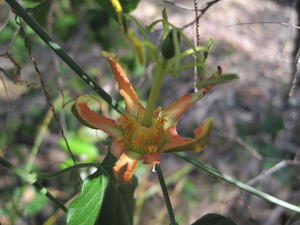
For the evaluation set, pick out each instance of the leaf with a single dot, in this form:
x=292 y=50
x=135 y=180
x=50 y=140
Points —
x=85 y=208
x=118 y=205
x=214 y=219
x=219 y=80
x=129 y=5
x=31 y=3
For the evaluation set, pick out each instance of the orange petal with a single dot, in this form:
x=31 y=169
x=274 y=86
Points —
x=180 y=106
x=151 y=159
x=124 y=168
x=117 y=148
x=94 y=120
x=133 y=104
x=181 y=144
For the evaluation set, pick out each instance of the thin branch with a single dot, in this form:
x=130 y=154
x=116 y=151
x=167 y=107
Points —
x=178 y=5
x=52 y=108
x=264 y=175
x=242 y=143
x=165 y=194
x=17 y=8
x=264 y=22
x=202 y=11
x=60 y=172
x=294 y=79
x=237 y=183
x=31 y=179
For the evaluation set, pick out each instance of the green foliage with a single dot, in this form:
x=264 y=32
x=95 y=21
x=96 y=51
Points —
x=85 y=208
x=214 y=219
x=118 y=205
x=217 y=80
x=32 y=3
x=103 y=200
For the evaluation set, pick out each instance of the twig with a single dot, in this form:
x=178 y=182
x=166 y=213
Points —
x=31 y=179
x=60 y=172
x=294 y=79
x=3 y=82
x=17 y=76
x=280 y=165
x=178 y=5
x=264 y=22
x=244 y=144
x=202 y=11
x=52 y=108
x=166 y=195
x=62 y=54
x=237 y=183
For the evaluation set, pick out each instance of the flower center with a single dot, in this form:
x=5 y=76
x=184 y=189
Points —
x=141 y=139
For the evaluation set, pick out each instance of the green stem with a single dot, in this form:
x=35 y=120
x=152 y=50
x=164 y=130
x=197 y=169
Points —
x=154 y=92
x=77 y=166
x=166 y=195
x=237 y=183
x=31 y=179
x=62 y=53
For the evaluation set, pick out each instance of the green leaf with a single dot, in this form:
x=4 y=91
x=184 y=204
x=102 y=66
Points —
x=118 y=205
x=219 y=80
x=214 y=219
x=80 y=147
x=31 y=4
x=129 y=5
x=85 y=208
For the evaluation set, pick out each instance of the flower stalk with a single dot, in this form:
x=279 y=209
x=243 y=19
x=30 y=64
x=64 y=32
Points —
x=166 y=195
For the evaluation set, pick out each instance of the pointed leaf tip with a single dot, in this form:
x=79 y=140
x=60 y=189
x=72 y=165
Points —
x=214 y=219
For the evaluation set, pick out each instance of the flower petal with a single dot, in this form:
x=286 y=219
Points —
x=117 y=148
x=94 y=120
x=124 y=168
x=153 y=158
x=181 y=144
x=133 y=104
x=173 y=112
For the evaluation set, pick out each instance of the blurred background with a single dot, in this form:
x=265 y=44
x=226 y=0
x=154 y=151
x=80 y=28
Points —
x=257 y=123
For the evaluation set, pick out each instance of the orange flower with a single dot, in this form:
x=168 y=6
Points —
x=132 y=140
